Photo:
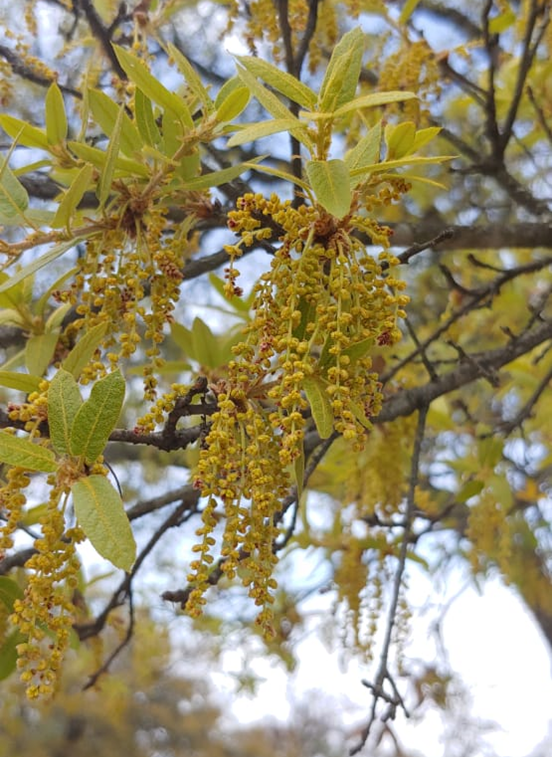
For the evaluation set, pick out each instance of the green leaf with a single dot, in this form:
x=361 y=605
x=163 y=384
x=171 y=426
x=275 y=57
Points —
x=409 y=160
x=9 y=592
x=184 y=339
x=80 y=184
x=106 y=112
x=149 y=131
x=360 y=415
x=8 y=654
x=341 y=77
x=56 y=120
x=151 y=87
x=280 y=80
x=205 y=345
x=192 y=78
x=308 y=315
x=15 y=450
x=39 y=350
x=374 y=100
x=56 y=252
x=64 y=402
x=112 y=153
x=257 y=131
x=399 y=139
x=407 y=10
x=234 y=104
x=101 y=514
x=13 y=296
x=358 y=350
x=502 y=22
x=42 y=302
x=470 y=489
x=228 y=87
x=216 y=178
x=84 y=350
x=97 y=417
x=240 y=305
x=23 y=382
x=11 y=317
x=284 y=175
x=320 y=405
x=299 y=472
x=367 y=149
x=274 y=106
x=14 y=199
x=330 y=181
x=98 y=158
x=27 y=135
x=423 y=136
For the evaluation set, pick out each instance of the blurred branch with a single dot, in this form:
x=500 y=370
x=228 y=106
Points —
x=393 y=699
x=25 y=71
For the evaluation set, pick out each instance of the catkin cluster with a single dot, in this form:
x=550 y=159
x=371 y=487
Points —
x=317 y=313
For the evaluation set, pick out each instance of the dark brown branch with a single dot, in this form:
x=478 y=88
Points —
x=527 y=58
x=407 y=401
x=102 y=34
x=26 y=72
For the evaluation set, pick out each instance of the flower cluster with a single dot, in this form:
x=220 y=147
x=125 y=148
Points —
x=45 y=614
x=318 y=312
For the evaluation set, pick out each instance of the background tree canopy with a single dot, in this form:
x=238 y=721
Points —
x=276 y=293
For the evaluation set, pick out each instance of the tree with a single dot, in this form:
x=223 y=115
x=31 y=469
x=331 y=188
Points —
x=386 y=194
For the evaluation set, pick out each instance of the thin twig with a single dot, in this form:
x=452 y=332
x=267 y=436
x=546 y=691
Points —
x=383 y=675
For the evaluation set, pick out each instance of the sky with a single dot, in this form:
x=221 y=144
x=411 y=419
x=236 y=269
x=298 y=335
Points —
x=491 y=641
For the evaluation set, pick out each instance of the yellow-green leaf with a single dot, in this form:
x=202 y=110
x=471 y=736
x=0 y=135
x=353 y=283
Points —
x=84 y=350
x=27 y=135
x=367 y=149
x=8 y=654
x=112 y=153
x=423 y=136
x=15 y=450
x=320 y=405
x=503 y=21
x=39 y=350
x=407 y=10
x=192 y=78
x=101 y=515
x=124 y=166
x=265 y=129
x=23 y=382
x=409 y=160
x=64 y=401
x=341 y=77
x=228 y=87
x=233 y=105
x=56 y=251
x=216 y=178
x=71 y=198
x=273 y=105
x=373 y=101
x=205 y=345
x=299 y=472
x=9 y=592
x=56 y=120
x=330 y=180
x=149 y=131
x=97 y=417
x=106 y=112
x=137 y=72
x=14 y=199
x=399 y=139
x=280 y=80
